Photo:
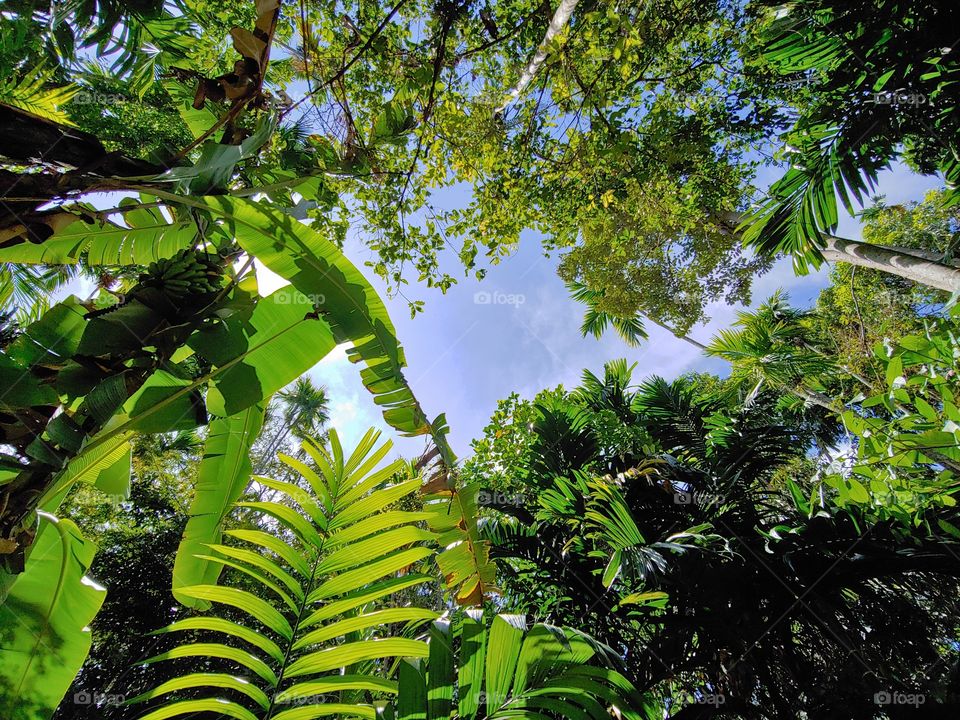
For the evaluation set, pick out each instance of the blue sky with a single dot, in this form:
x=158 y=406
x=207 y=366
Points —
x=464 y=354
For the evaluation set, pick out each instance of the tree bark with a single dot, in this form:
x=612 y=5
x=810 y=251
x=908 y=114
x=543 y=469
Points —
x=686 y=338
x=560 y=19
x=920 y=266
x=896 y=261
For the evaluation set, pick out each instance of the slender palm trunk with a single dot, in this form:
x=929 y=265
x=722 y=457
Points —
x=896 y=261
x=920 y=266
x=686 y=338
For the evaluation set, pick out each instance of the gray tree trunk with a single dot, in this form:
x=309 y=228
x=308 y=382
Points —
x=897 y=261
x=559 y=21
x=920 y=266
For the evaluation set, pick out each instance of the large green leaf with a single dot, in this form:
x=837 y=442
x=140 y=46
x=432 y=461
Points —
x=217 y=161
x=465 y=560
x=147 y=235
x=43 y=623
x=253 y=354
x=506 y=671
x=331 y=285
x=257 y=353
x=223 y=474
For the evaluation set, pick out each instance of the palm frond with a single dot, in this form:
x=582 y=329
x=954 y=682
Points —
x=319 y=627
x=34 y=94
x=595 y=320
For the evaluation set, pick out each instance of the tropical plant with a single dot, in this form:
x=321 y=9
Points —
x=629 y=328
x=327 y=635
x=506 y=669
x=31 y=94
x=905 y=455
x=339 y=546
x=189 y=339
x=143 y=532
x=688 y=542
x=43 y=620
x=881 y=86
x=775 y=344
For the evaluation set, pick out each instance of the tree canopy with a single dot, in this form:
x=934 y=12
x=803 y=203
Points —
x=183 y=534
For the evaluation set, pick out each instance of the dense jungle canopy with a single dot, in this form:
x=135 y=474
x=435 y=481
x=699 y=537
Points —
x=201 y=201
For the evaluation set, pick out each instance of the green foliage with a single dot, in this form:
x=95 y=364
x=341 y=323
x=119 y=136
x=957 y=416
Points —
x=189 y=339
x=907 y=436
x=685 y=549
x=137 y=539
x=222 y=476
x=652 y=248
x=339 y=546
x=146 y=236
x=595 y=320
x=30 y=94
x=341 y=295
x=509 y=670
x=44 y=619
x=879 y=88
x=773 y=344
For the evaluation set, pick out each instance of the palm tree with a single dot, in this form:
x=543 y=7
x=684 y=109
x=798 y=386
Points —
x=772 y=345
x=25 y=290
x=838 y=147
x=301 y=410
x=630 y=329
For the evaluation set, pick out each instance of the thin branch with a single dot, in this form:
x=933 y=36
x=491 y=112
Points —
x=350 y=63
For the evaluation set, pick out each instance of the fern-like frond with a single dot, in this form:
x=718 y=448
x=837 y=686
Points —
x=318 y=629
x=33 y=93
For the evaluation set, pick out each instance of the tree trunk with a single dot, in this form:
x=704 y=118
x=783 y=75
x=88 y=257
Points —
x=560 y=19
x=905 y=263
x=73 y=161
x=920 y=266
x=686 y=338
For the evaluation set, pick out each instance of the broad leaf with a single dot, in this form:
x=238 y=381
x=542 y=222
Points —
x=44 y=622
x=223 y=474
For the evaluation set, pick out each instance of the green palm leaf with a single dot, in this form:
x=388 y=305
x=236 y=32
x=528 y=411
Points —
x=596 y=320
x=327 y=654
x=32 y=94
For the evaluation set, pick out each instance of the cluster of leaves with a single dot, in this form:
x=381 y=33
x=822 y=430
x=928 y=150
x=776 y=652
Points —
x=879 y=88
x=311 y=620
x=687 y=545
x=906 y=440
x=182 y=344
